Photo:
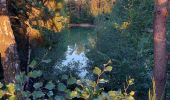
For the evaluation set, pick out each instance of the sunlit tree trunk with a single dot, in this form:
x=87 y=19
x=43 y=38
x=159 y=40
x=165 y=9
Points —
x=8 y=51
x=160 y=49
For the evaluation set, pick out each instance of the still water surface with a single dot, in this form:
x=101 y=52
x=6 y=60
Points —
x=79 y=42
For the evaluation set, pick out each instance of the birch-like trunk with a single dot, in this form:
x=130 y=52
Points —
x=8 y=51
x=160 y=47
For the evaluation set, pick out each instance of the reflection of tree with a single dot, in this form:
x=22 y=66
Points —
x=80 y=39
x=57 y=42
x=92 y=42
x=80 y=48
x=77 y=44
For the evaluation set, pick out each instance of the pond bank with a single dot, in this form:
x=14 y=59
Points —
x=83 y=25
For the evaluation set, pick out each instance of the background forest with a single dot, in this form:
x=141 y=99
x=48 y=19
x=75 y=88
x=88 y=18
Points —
x=81 y=50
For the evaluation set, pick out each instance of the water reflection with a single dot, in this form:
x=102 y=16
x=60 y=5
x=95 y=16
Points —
x=79 y=42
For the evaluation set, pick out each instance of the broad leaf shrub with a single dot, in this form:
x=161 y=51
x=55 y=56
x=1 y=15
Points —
x=129 y=35
x=67 y=88
x=8 y=91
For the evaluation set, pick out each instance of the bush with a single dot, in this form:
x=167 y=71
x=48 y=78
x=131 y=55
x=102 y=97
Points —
x=67 y=88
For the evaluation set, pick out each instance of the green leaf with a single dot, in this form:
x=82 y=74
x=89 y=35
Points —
x=102 y=81
x=79 y=82
x=88 y=90
x=21 y=77
x=73 y=94
x=64 y=77
x=33 y=64
x=85 y=95
x=132 y=93
x=50 y=85
x=35 y=74
x=26 y=94
x=61 y=87
x=103 y=96
x=37 y=94
x=18 y=78
x=18 y=87
x=27 y=99
x=13 y=97
x=50 y=93
x=131 y=81
x=11 y=88
x=58 y=98
x=1 y=94
x=71 y=81
x=92 y=84
x=38 y=85
x=130 y=98
x=112 y=93
x=97 y=71
x=108 y=68
x=1 y=85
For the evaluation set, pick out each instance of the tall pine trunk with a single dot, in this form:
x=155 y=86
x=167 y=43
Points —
x=160 y=47
x=8 y=51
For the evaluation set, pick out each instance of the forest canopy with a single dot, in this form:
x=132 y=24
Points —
x=84 y=50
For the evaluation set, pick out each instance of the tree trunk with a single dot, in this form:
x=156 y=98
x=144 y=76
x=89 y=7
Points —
x=8 y=51
x=160 y=49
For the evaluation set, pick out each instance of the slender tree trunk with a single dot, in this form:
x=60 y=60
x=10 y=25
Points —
x=160 y=47
x=8 y=51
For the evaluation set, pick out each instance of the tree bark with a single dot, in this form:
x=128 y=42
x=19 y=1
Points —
x=160 y=48
x=8 y=51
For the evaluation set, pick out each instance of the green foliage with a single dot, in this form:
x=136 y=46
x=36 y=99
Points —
x=35 y=74
x=125 y=36
x=71 y=80
x=97 y=71
x=9 y=91
x=37 y=94
x=85 y=88
x=61 y=87
x=50 y=85
x=108 y=68
x=33 y=64
x=38 y=85
x=1 y=94
x=88 y=89
x=64 y=77
x=79 y=16
x=11 y=88
x=26 y=94
x=1 y=85
x=13 y=97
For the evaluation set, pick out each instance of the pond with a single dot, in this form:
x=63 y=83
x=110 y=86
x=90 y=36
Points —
x=78 y=42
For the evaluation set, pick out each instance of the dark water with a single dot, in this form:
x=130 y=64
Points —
x=78 y=43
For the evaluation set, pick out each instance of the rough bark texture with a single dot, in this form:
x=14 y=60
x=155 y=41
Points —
x=8 y=51
x=160 y=49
